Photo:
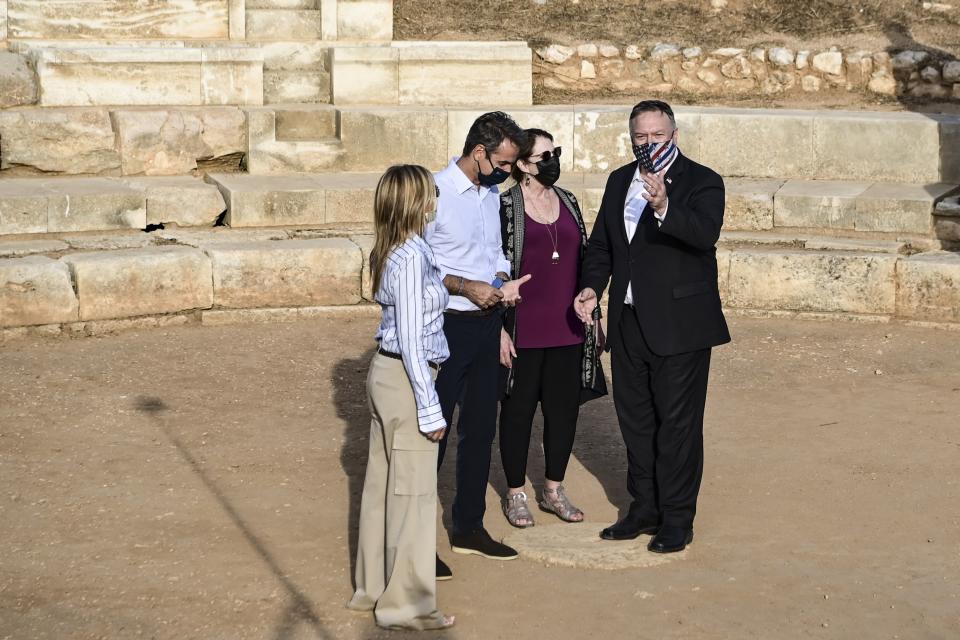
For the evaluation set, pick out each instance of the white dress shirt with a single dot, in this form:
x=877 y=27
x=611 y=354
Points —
x=634 y=207
x=465 y=237
x=412 y=298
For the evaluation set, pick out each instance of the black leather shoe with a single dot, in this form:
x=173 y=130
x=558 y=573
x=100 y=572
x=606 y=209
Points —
x=628 y=529
x=671 y=539
x=443 y=571
x=480 y=543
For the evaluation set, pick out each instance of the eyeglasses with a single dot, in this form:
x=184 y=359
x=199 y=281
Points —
x=546 y=156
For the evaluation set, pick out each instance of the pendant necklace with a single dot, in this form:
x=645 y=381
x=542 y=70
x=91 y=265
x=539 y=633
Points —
x=554 y=239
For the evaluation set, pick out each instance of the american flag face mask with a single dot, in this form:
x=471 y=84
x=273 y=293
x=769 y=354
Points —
x=654 y=156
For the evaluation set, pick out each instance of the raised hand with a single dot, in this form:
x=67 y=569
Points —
x=584 y=304
x=511 y=290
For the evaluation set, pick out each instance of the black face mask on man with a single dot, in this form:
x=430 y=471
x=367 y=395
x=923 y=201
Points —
x=495 y=177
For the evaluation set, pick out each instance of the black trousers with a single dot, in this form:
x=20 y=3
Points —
x=660 y=402
x=550 y=377
x=469 y=378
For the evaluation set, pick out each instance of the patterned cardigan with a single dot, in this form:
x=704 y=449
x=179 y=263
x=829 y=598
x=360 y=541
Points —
x=592 y=381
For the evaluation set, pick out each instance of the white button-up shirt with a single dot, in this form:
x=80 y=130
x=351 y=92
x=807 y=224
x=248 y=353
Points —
x=634 y=207
x=412 y=298
x=465 y=237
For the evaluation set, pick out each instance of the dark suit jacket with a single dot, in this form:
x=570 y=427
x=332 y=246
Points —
x=673 y=267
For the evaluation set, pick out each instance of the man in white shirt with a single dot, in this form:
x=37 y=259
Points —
x=465 y=238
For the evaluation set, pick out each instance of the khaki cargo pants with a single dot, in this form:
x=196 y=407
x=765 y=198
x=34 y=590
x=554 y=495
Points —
x=396 y=567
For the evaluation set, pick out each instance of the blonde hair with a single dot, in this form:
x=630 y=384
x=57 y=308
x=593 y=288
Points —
x=404 y=194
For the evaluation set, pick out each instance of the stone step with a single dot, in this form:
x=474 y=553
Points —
x=142 y=73
x=282 y=4
x=183 y=271
x=284 y=24
x=31 y=206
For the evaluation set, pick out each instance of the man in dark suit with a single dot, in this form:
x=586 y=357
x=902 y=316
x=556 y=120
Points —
x=654 y=241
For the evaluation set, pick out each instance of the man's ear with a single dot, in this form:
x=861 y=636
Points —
x=478 y=148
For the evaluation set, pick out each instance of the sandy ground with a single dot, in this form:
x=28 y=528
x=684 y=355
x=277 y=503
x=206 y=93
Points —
x=203 y=482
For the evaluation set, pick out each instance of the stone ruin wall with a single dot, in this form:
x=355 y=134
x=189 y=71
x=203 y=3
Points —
x=670 y=68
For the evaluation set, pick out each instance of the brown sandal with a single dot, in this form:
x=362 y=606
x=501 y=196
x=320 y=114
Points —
x=560 y=505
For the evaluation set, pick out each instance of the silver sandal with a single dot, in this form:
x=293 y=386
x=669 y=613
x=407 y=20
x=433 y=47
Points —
x=560 y=505
x=515 y=508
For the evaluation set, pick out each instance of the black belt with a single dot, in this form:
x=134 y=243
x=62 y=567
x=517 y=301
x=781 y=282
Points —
x=397 y=356
x=476 y=313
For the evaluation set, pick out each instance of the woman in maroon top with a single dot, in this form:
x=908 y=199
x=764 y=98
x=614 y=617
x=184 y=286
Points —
x=551 y=358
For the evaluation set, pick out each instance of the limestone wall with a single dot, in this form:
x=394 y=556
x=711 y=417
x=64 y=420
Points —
x=116 y=19
x=671 y=68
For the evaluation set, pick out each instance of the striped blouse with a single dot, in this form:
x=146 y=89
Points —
x=412 y=298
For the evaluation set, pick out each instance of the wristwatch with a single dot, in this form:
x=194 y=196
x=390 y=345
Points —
x=497 y=283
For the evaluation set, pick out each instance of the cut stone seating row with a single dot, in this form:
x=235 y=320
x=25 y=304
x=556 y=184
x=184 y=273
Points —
x=279 y=69
x=762 y=144
x=51 y=205
x=54 y=284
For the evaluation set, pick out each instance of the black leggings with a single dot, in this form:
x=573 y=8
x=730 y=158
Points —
x=550 y=377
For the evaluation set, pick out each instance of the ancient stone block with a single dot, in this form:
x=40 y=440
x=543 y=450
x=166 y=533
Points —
x=903 y=208
x=365 y=75
x=818 y=204
x=829 y=62
x=376 y=138
x=93 y=204
x=18 y=83
x=171 y=142
x=365 y=19
x=58 y=141
x=929 y=287
x=35 y=290
x=286 y=273
x=455 y=74
x=749 y=205
x=135 y=282
x=231 y=76
x=556 y=53
x=283 y=24
x=857 y=146
x=112 y=19
x=184 y=201
x=797 y=280
x=254 y=201
x=780 y=142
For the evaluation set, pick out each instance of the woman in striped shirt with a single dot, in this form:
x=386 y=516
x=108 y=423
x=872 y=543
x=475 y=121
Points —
x=396 y=570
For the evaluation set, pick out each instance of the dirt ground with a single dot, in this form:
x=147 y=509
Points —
x=203 y=482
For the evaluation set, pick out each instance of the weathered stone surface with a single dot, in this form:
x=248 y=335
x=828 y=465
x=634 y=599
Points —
x=377 y=138
x=663 y=51
x=21 y=248
x=18 y=83
x=929 y=287
x=364 y=19
x=580 y=547
x=556 y=53
x=749 y=205
x=58 y=141
x=82 y=76
x=275 y=201
x=951 y=71
x=858 y=146
x=587 y=70
x=601 y=139
x=883 y=83
x=136 y=282
x=32 y=205
x=823 y=204
x=909 y=60
x=291 y=87
x=780 y=142
x=185 y=201
x=286 y=273
x=23 y=209
x=231 y=76
x=107 y=241
x=437 y=73
x=905 y=208
x=202 y=238
x=812 y=281
x=112 y=19
x=307 y=122
x=3 y=20
x=365 y=75
x=781 y=56
x=296 y=56
x=829 y=62
x=366 y=282
x=35 y=290
x=283 y=24
x=171 y=142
